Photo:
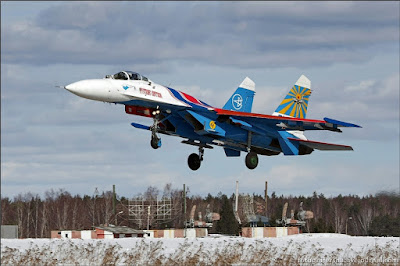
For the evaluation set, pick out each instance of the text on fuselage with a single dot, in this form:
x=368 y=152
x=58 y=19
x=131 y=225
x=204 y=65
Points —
x=150 y=92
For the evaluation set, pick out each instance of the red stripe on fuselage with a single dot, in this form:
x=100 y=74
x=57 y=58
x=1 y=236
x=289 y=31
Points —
x=191 y=98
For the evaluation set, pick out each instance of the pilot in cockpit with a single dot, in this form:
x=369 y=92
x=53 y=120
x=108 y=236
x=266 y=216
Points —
x=128 y=75
x=120 y=75
x=134 y=76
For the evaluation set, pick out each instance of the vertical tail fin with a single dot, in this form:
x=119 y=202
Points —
x=242 y=99
x=296 y=101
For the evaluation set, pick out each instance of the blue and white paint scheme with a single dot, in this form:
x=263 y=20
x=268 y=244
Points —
x=233 y=127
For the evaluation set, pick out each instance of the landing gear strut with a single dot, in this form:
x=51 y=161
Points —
x=155 y=140
x=251 y=157
x=194 y=160
x=251 y=160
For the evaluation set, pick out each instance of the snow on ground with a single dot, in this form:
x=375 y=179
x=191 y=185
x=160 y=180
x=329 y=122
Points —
x=304 y=249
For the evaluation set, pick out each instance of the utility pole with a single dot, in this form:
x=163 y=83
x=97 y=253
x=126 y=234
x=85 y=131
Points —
x=237 y=197
x=235 y=210
x=95 y=194
x=266 y=198
x=148 y=217
x=114 y=209
x=349 y=218
x=184 y=208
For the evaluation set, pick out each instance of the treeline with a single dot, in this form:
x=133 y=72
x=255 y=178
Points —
x=377 y=215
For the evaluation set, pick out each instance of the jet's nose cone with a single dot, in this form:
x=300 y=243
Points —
x=71 y=88
x=79 y=88
x=92 y=89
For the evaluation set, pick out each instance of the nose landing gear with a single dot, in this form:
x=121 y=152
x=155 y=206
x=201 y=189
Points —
x=155 y=140
x=194 y=160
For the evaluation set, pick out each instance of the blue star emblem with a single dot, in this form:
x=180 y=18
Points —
x=125 y=87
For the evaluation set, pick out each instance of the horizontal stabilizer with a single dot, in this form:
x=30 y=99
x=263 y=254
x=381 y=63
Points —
x=322 y=145
x=136 y=125
x=339 y=123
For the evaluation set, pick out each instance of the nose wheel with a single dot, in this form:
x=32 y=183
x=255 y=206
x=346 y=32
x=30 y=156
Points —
x=251 y=160
x=194 y=160
x=155 y=142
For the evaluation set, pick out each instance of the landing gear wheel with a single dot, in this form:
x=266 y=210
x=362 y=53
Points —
x=194 y=161
x=154 y=143
x=251 y=160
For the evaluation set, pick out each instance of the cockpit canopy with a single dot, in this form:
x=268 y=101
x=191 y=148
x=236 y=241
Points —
x=128 y=75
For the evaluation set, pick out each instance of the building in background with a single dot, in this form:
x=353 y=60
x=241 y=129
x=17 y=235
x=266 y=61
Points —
x=100 y=232
x=111 y=232
x=9 y=231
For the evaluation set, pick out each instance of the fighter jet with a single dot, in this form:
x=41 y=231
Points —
x=233 y=127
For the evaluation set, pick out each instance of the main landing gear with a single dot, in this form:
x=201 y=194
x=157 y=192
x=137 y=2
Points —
x=194 y=160
x=251 y=157
x=251 y=160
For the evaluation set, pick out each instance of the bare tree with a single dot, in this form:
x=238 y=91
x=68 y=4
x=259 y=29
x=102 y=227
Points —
x=20 y=207
x=106 y=204
x=44 y=220
x=365 y=217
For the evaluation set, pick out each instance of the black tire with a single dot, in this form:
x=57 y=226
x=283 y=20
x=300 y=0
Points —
x=154 y=143
x=194 y=161
x=251 y=160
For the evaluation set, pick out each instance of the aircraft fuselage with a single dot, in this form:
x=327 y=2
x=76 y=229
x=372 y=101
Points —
x=233 y=127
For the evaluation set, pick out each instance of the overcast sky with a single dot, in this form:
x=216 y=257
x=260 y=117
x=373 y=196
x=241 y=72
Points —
x=52 y=139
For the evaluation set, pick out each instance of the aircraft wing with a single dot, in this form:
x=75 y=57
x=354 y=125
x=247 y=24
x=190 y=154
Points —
x=281 y=122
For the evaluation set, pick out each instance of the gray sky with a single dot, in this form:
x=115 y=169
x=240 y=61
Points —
x=51 y=138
